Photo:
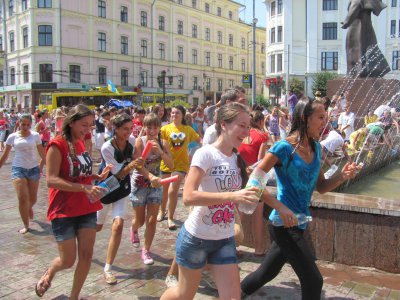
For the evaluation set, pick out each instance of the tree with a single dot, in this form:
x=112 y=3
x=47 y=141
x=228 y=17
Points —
x=297 y=86
x=320 y=82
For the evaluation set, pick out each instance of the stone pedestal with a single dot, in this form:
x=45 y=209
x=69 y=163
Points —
x=364 y=93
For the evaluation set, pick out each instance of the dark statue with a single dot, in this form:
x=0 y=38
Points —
x=364 y=58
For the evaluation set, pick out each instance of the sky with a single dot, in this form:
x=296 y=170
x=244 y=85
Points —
x=247 y=14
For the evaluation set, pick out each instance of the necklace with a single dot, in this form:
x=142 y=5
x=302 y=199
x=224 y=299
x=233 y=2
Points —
x=116 y=144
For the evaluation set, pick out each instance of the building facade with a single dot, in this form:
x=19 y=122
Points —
x=53 y=45
x=305 y=37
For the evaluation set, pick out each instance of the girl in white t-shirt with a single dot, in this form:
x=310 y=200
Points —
x=25 y=170
x=214 y=185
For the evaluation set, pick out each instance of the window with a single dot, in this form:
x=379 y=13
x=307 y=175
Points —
x=208 y=58
x=329 y=61
x=194 y=3
x=25 y=37
x=279 y=7
x=279 y=39
x=243 y=43
x=44 y=4
x=208 y=35
x=24 y=5
x=219 y=11
x=124 y=77
x=272 y=63
x=273 y=8
x=74 y=74
x=393 y=28
x=231 y=83
x=161 y=23
x=161 y=48
x=230 y=39
x=396 y=60
x=219 y=34
x=180 y=54
x=46 y=73
x=208 y=83
x=10 y=8
x=220 y=86
x=194 y=31
x=195 y=83
x=124 y=45
x=279 y=63
x=230 y=62
x=272 y=37
x=101 y=5
x=219 y=60
x=102 y=75
x=329 y=31
x=394 y=3
x=180 y=27
x=124 y=14
x=179 y=1
x=101 y=41
x=230 y=15
x=143 y=18
x=143 y=78
x=194 y=56
x=180 y=81
x=243 y=65
x=143 y=47
x=329 y=5
x=45 y=35
x=12 y=76
x=1 y=43
x=262 y=48
x=207 y=7
x=12 y=42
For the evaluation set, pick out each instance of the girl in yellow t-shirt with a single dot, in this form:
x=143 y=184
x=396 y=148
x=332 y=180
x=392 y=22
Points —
x=178 y=135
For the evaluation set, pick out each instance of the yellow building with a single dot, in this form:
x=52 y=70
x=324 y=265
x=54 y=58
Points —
x=75 y=45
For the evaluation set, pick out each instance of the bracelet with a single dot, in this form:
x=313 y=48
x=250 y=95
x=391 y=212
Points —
x=83 y=187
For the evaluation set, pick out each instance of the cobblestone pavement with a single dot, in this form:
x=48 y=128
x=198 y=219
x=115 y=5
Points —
x=25 y=258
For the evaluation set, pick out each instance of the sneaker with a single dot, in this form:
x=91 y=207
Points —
x=135 y=238
x=207 y=278
x=171 y=281
x=109 y=277
x=146 y=257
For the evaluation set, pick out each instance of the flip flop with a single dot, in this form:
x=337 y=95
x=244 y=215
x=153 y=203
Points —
x=24 y=230
x=42 y=286
x=161 y=216
x=171 y=225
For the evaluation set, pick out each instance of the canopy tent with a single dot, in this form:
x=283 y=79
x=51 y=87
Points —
x=119 y=103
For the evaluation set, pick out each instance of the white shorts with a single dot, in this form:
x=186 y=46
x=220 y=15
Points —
x=119 y=210
x=99 y=140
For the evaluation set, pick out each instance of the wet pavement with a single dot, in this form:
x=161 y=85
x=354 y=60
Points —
x=26 y=257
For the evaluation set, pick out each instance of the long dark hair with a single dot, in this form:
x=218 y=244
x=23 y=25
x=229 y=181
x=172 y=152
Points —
x=302 y=111
x=76 y=113
x=183 y=111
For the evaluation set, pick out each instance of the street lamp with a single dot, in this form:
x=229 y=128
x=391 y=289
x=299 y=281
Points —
x=161 y=82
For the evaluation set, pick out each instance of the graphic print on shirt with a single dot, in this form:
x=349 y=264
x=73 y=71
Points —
x=81 y=166
x=177 y=139
x=226 y=180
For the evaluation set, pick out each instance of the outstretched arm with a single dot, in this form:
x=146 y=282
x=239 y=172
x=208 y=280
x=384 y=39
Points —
x=353 y=12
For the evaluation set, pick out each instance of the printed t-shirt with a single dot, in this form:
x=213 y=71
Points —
x=295 y=178
x=3 y=125
x=333 y=141
x=26 y=153
x=45 y=133
x=136 y=127
x=71 y=204
x=249 y=152
x=178 y=138
x=222 y=174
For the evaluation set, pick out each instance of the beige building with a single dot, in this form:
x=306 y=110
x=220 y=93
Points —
x=54 y=45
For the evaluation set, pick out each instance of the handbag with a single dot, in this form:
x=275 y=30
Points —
x=124 y=185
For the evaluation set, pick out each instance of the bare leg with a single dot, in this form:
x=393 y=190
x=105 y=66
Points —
x=24 y=206
x=86 y=239
x=173 y=270
x=33 y=186
x=138 y=221
x=173 y=198
x=151 y=224
x=164 y=200
x=258 y=227
x=227 y=280
x=115 y=240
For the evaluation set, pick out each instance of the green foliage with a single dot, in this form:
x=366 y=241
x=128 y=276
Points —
x=178 y=102
x=320 y=82
x=262 y=101
x=297 y=86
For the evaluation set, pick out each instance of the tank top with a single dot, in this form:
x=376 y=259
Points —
x=152 y=164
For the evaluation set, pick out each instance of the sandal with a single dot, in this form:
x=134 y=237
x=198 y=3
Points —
x=24 y=230
x=161 y=216
x=42 y=285
x=171 y=225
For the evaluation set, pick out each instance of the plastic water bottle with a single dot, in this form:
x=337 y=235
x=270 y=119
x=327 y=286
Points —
x=301 y=219
x=258 y=179
x=110 y=184
x=332 y=170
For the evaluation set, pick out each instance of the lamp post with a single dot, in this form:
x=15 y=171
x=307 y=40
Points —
x=152 y=40
x=162 y=84
x=253 y=73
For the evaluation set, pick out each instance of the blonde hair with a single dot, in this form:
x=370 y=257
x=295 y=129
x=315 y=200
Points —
x=228 y=114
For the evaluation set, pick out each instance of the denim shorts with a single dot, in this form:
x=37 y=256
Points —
x=31 y=174
x=195 y=253
x=67 y=228
x=146 y=195
x=2 y=135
